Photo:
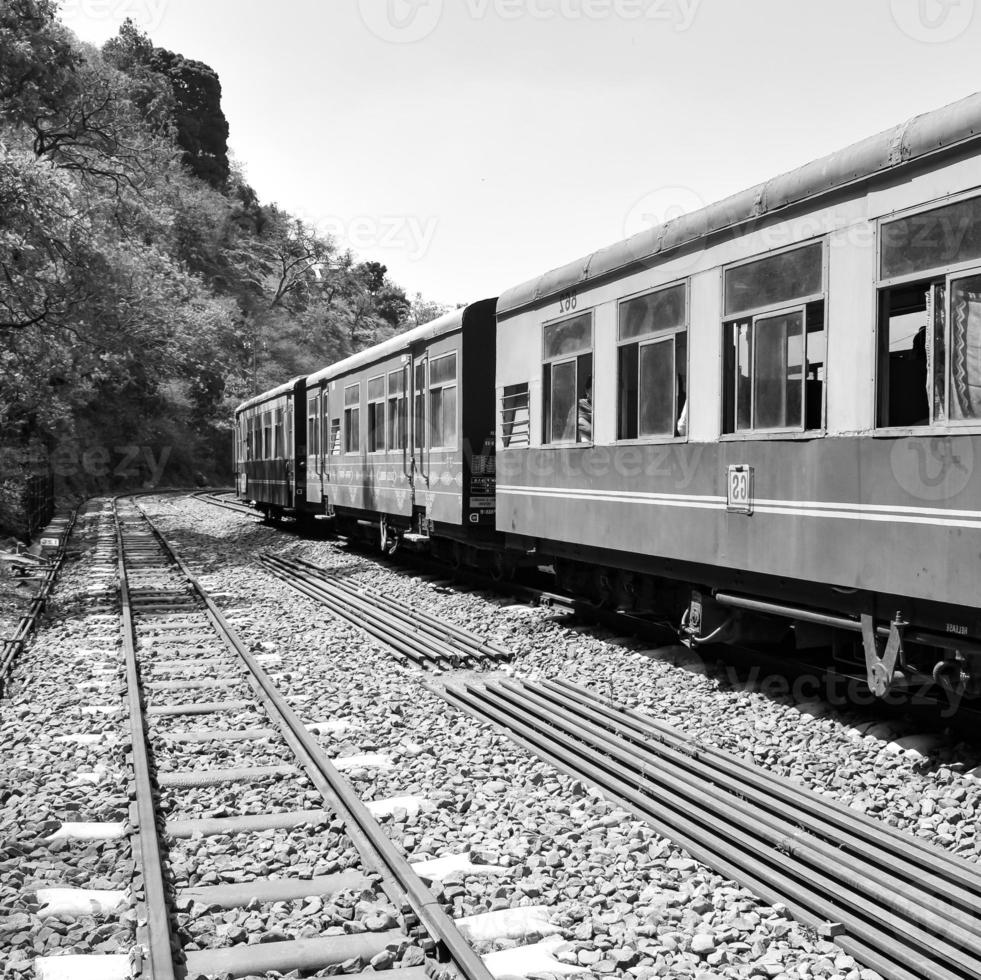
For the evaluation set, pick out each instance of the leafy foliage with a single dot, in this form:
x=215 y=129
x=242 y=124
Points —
x=144 y=288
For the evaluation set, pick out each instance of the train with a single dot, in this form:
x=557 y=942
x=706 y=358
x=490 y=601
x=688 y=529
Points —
x=759 y=420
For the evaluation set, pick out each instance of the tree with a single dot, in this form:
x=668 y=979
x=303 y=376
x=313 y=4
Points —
x=201 y=128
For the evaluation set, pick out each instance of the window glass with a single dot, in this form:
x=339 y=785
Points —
x=376 y=414
x=419 y=411
x=652 y=378
x=778 y=279
x=658 y=412
x=313 y=426
x=352 y=419
x=655 y=311
x=778 y=360
x=396 y=410
x=442 y=369
x=628 y=359
x=569 y=336
x=563 y=402
x=567 y=384
x=335 y=437
x=932 y=239
x=965 y=348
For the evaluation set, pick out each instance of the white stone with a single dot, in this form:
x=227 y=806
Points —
x=524 y=961
x=439 y=868
x=98 y=775
x=370 y=760
x=92 y=686
x=83 y=966
x=87 y=832
x=78 y=901
x=507 y=924
x=86 y=738
x=973 y=774
x=385 y=808
x=101 y=709
x=332 y=727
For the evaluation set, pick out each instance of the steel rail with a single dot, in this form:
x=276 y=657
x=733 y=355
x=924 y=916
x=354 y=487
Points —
x=437 y=628
x=404 y=647
x=365 y=832
x=208 y=497
x=875 y=837
x=374 y=620
x=693 y=837
x=635 y=779
x=13 y=645
x=159 y=952
x=788 y=849
x=781 y=832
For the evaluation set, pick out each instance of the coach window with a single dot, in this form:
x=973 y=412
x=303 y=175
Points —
x=567 y=380
x=335 y=437
x=396 y=410
x=419 y=412
x=313 y=425
x=929 y=337
x=376 y=414
x=652 y=364
x=775 y=342
x=442 y=401
x=267 y=435
x=352 y=418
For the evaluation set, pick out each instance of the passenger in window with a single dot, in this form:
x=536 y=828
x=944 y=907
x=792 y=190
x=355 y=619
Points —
x=681 y=429
x=919 y=398
x=584 y=414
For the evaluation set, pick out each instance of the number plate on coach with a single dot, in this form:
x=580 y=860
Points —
x=739 y=489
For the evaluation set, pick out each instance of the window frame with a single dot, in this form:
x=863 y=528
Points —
x=944 y=273
x=313 y=425
x=551 y=363
x=646 y=339
x=397 y=435
x=370 y=403
x=442 y=387
x=351 y=411
x=763 y=312
x=934 y=272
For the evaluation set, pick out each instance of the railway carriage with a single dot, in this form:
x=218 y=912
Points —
x=764 y=416
x=270 y=450
x=396 y=438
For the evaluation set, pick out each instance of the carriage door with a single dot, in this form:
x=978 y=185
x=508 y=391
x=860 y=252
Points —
x=313 y=447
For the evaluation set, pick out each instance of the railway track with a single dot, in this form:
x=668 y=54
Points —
x=898 y=905
x=47 y=575
x=184 y=664
x=215 y=499
x=412 y=635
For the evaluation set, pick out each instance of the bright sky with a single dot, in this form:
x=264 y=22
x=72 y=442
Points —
x=472 y=144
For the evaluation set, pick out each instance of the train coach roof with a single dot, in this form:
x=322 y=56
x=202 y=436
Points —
x=448 y=323
x=266 y=396
x=921 y=136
